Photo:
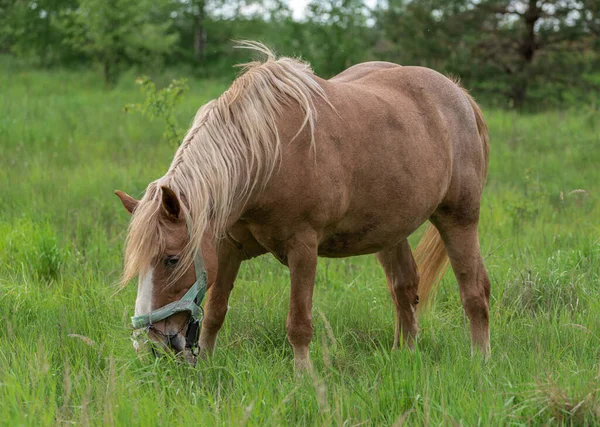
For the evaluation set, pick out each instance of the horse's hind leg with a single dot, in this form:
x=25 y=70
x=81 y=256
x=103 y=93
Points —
x=403 y=280
x=459 y=233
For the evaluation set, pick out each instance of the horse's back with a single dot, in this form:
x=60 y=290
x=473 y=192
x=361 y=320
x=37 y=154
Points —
x=419 y=104
x=358 y=71
x=402 y=84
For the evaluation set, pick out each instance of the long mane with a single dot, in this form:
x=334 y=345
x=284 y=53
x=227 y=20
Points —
x=229 y=152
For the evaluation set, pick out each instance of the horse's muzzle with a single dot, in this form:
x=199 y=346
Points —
x=162 y=342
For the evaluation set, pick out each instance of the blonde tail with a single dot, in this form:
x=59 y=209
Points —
x=432 y=262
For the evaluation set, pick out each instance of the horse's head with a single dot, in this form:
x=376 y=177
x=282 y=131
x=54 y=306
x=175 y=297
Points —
x=156 y=252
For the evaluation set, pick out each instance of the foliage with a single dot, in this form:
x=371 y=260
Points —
x=517 y=53
x=342 y=23
x=534 y=44
x=161 y=104
x=65 y=352
x=514 y=49
x=27 y=29
x=118 y=32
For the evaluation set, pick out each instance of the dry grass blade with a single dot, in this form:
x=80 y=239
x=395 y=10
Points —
x=83 y=338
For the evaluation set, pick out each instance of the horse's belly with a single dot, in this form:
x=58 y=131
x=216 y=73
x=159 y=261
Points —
x=339 y=245
x=367 y=238
x=379 y=216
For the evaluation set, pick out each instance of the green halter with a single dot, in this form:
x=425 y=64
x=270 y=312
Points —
x=190 y=302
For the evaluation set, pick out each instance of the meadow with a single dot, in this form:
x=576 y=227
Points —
x=65 y=350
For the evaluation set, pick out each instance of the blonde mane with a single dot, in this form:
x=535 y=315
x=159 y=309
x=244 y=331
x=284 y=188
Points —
x=229 y=152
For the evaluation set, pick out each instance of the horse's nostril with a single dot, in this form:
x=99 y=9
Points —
x=176 y=342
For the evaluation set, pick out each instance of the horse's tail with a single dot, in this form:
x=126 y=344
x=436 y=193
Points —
x=430 y=254
x=432 y=262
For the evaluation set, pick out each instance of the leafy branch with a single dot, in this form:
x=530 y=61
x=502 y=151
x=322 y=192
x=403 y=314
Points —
x=160 y=104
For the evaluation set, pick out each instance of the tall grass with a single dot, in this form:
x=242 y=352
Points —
x=65 y=354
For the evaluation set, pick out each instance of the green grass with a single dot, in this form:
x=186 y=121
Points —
x=65 y=353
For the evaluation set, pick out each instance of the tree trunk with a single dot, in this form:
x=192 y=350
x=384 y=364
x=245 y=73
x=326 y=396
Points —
x=200 y=31
x=107 y=71
x=518 y=94
x=527 y=49
x=110 y=68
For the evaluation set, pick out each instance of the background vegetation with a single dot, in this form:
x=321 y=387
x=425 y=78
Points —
x=515 y=53
x=69 y=68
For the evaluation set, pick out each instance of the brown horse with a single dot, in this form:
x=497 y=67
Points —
x=288 y=163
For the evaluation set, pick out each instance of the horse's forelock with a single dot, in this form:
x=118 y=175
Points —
x=148 y=231
x=145 y=238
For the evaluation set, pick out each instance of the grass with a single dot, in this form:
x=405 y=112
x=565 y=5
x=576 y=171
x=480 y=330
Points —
x=65 y=353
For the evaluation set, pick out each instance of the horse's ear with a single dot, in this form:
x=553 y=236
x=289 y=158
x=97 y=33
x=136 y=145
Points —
x=170 y=203
x=129 y=203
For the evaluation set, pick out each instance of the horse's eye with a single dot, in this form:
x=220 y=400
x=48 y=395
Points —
x=171 y=261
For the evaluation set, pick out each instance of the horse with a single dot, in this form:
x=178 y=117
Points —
x=287 y=163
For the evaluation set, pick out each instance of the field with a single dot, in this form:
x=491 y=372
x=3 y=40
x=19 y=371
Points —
x=65 y=352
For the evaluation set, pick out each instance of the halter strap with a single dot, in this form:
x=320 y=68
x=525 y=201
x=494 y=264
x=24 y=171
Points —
x=190 y=302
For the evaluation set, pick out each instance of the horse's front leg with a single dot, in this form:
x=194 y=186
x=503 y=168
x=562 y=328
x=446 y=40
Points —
x=228 y=265
x=301 y=254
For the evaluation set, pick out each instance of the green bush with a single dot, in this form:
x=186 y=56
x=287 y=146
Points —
x=161 y=104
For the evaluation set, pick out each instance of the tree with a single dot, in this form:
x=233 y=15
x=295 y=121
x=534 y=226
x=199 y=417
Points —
x=119 y=32
x=26 y=29
x=199 y=29
x=423 y=32
x=516 y=48
x=531 y=40
x=337 y=34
